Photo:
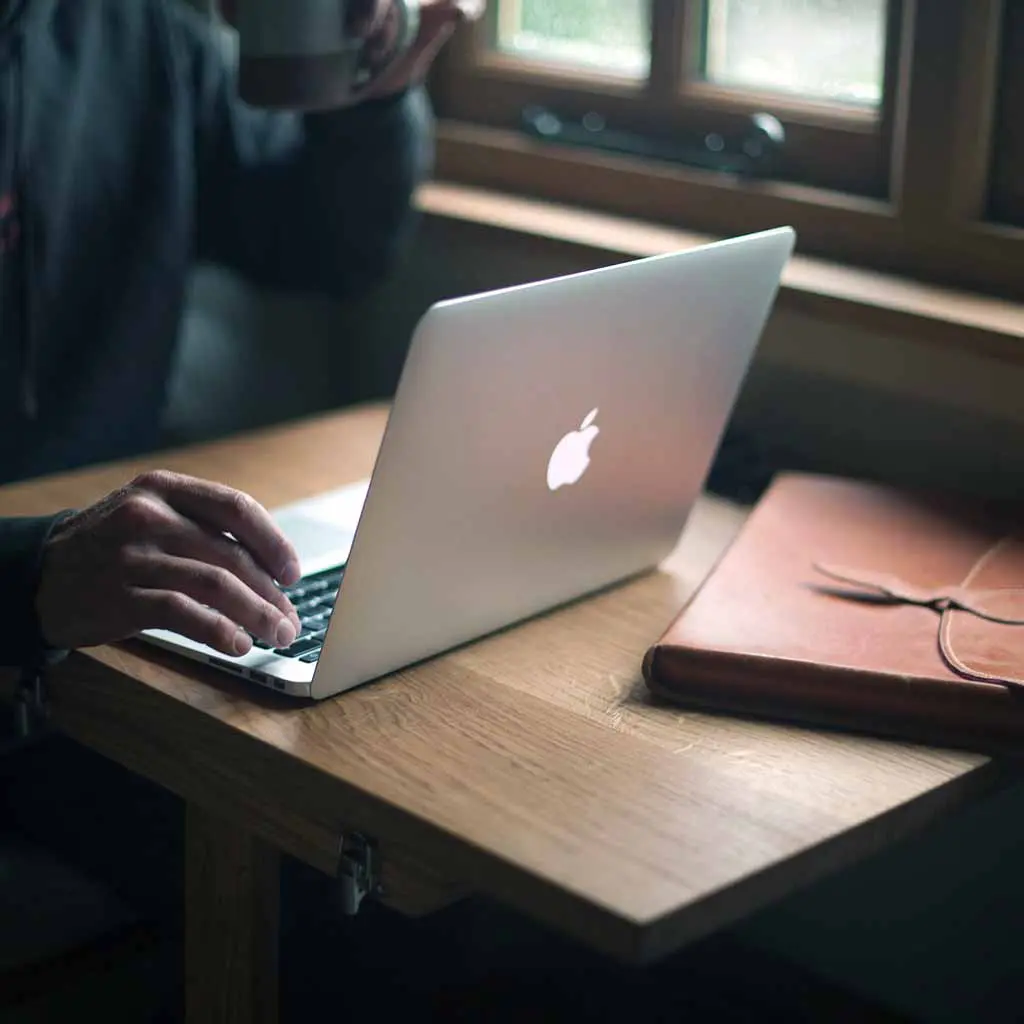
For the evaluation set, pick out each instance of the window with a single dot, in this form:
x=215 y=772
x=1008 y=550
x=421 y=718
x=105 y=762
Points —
x=676 y=76
x=831 y=52
x=600 y=35
x=886 y=131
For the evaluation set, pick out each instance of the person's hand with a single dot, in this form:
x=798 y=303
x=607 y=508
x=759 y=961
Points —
x=378 y=21
x=168 y=552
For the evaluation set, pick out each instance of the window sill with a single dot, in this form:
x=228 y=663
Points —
x=830 y=291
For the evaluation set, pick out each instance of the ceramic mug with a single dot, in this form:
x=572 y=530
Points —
x=303 y=55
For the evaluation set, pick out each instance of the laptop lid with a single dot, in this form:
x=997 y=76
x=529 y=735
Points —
x=546 y=441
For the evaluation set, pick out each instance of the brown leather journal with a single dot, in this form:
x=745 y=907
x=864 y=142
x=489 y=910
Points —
x=858 y=606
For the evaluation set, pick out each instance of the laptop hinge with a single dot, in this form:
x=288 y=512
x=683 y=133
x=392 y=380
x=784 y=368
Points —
x=358 y=872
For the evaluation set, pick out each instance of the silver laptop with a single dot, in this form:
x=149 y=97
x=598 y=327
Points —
x=545 y=441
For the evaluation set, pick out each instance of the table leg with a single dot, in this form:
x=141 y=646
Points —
x=232 y=888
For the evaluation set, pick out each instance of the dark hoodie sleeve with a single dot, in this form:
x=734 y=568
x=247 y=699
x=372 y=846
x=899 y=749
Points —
x=21 y=550
x=320 y=202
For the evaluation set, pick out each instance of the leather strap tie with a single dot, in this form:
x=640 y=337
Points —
x=1000 y=607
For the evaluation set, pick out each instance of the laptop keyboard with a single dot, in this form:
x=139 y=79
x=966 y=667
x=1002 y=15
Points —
x=313 y=598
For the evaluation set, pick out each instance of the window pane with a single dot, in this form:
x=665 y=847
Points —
x=612 y=36
x=832 y=50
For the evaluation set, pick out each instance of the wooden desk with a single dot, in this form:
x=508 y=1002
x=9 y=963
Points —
x=532 y=766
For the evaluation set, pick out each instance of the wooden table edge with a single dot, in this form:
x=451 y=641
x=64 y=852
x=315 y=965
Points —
x=290 y=792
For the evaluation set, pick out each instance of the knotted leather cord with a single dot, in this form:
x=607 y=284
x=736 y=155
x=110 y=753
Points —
x=945 y=600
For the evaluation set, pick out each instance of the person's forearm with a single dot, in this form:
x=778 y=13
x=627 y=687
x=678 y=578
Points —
x=317 y=202
x=21 y=546
x=320 y=203
x=362 y=168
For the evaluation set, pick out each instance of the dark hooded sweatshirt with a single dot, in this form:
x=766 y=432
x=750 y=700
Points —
x=125 y=157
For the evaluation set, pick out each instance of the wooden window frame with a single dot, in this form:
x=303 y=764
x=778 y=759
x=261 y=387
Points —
x=916 y=204
x=840 y=147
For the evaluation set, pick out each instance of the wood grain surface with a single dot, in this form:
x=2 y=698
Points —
x=231 y=931
x=532 y=765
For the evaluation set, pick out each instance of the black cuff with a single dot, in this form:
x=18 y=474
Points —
x=22 y=544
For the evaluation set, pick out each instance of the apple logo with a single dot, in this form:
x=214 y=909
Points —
x=571 y=457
